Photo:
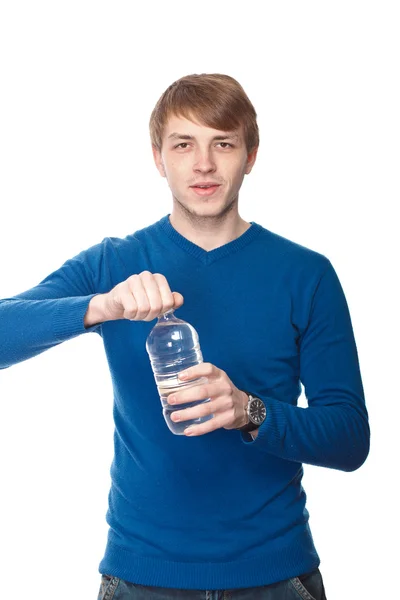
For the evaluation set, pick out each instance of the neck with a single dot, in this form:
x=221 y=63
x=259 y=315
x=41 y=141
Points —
x=208 y=232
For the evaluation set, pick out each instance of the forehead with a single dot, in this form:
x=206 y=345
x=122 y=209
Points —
x=181 y=125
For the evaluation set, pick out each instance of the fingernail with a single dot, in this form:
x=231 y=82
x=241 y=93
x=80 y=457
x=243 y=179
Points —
x=189 y=430
x=171 y=399
x=183 y=375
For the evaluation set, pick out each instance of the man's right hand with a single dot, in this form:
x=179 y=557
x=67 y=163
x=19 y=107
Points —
x=141 y=297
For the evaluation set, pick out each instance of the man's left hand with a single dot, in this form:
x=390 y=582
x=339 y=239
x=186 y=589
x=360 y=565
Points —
x=227 y=402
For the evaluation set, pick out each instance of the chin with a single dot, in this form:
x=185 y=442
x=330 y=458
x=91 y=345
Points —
x=204 y=207
x=209 y=211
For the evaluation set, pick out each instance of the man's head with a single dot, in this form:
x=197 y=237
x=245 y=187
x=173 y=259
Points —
x=184 y=125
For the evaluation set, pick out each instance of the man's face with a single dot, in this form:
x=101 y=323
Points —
x=186 y=161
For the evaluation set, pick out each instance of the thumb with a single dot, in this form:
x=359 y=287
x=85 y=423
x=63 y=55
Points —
x=178 y=298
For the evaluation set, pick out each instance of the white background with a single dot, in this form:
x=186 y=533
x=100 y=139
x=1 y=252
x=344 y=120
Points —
x=79 y=81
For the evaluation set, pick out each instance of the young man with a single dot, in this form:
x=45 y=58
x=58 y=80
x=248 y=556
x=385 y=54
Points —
x=218 y=512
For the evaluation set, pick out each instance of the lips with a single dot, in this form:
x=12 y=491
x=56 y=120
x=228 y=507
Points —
x=205 y=191
x=205 y=185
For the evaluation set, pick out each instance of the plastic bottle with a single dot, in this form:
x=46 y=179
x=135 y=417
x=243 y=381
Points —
x=173 y=345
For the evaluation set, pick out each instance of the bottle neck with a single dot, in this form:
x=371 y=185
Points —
x=167 y=316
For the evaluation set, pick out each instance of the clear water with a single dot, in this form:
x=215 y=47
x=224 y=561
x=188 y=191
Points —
x=173 y=345
x=178 y=428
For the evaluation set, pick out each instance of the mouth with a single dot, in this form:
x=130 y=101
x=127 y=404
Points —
x=205 y=190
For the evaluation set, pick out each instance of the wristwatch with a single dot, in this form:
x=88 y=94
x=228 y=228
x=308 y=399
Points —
x=256 y=413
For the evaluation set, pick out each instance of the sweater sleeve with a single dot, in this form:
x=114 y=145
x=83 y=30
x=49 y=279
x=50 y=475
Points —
x=333 y=431
x=51 y=312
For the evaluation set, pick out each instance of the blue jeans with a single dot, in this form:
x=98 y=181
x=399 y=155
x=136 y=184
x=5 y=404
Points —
x=306 y=587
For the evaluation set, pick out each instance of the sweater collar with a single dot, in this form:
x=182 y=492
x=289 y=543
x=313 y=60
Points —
x=209 y=256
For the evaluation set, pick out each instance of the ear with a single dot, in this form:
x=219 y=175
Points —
x=251 y=159
x=158 y=160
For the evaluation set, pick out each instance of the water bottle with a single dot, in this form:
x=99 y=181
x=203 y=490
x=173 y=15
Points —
x=173 y=346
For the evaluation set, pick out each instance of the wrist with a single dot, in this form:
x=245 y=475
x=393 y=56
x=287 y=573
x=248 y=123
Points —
x=95 y=312
x=246 y=420
x=245 y=401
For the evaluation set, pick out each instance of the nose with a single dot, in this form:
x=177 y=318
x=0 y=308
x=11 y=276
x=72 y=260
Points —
x=204 y=162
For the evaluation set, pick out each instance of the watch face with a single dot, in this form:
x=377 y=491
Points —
x=257 y=411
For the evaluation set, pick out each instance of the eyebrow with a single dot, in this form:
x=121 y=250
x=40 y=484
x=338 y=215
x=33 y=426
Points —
x=180 y=136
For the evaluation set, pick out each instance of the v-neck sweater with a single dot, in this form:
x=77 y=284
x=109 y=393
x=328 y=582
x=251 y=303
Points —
x=218 y=510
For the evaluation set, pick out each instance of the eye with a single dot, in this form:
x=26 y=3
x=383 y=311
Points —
x=225 y=144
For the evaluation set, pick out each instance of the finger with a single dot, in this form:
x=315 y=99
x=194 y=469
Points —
x=178 y=299
x=129 y=305
x=138 y=291
x=152 y=289
x=210 y=425
x=201 y=370
x=201 y=410
x=195 y=392
x=167 y=298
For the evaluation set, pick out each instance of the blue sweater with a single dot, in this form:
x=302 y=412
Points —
x=220 y=510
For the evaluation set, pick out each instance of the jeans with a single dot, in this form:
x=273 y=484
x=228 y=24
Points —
x=306 y=587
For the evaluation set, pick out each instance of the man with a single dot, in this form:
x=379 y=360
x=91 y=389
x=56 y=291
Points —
x=222 y=514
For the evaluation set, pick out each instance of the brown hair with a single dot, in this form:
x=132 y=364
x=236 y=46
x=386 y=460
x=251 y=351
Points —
x=213 y=99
